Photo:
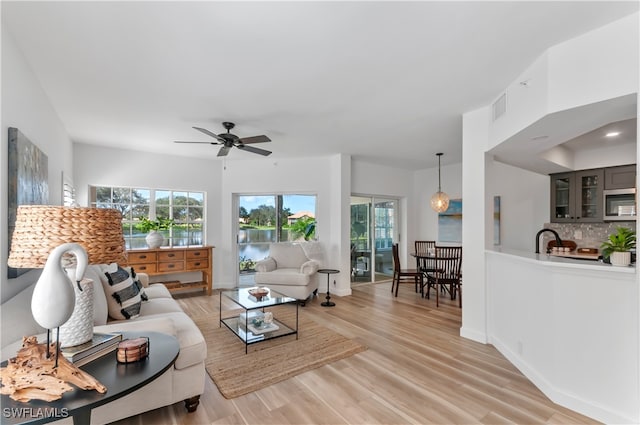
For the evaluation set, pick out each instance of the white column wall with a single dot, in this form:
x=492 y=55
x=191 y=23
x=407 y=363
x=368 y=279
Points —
x=475 y=134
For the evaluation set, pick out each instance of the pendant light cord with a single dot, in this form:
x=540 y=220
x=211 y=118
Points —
x=439 y=188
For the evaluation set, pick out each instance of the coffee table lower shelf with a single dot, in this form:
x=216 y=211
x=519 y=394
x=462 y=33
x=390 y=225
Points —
x=238 y=327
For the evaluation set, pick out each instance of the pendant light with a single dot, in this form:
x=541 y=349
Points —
x=439 y=200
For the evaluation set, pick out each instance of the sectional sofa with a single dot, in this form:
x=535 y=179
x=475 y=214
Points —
x=160 y=313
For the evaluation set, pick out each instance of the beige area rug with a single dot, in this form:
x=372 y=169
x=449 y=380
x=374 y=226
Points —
x=236 y=373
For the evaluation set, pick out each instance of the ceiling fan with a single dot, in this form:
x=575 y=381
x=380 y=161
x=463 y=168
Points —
x=229 y=140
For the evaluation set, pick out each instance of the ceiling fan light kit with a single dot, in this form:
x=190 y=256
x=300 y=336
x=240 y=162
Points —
x=439 y=200
x=229 y=140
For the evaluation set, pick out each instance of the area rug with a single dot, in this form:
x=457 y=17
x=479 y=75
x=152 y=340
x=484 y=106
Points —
x=236 y=373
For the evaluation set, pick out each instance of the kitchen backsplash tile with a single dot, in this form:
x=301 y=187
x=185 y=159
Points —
x=585 y=235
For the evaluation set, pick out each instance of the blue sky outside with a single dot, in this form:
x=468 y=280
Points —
x=295 y=203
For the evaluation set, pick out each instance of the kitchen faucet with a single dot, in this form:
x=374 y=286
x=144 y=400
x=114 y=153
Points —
x=558 y=240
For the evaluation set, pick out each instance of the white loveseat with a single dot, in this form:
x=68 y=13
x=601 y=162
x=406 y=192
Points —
x=161 y=313
x=291 y=268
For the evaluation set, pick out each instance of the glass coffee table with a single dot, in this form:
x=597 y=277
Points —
x=241 y=321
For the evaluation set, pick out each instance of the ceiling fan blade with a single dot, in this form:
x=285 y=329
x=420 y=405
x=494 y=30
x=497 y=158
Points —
x=254 y=150
x=203 y=143
x=255 y=139
x=224 y=151
x=208 y=133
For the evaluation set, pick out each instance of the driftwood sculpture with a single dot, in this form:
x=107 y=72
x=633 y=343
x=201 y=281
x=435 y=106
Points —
x=31 y=375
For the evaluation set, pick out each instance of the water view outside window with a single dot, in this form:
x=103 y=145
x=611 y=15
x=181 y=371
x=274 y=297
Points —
x=264 y=219
x=185 y=208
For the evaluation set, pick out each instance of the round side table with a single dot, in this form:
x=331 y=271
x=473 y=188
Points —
x=328 y=272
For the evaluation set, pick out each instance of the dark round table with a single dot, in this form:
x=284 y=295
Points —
x=328 y=272
x=120 y=380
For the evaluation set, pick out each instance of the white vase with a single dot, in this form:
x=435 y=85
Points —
x=620 y=258
x=154 y=239
x=79 y=328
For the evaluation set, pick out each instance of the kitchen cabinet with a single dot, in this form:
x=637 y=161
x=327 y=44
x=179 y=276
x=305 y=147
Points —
x=577 y=196
x=169 y=261
x=622 y=177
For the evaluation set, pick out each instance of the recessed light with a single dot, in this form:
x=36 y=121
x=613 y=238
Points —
x=612 y=134
x=539 y=137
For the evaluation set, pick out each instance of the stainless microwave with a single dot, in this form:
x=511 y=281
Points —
x=619 y=205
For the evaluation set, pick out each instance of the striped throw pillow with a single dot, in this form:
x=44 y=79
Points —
x=123 y=294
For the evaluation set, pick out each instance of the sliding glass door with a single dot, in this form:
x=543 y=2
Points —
x=264 y=219
x=373 y=232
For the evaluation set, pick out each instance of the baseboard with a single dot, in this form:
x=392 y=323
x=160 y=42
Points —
x=473 y=335
x=570 y=401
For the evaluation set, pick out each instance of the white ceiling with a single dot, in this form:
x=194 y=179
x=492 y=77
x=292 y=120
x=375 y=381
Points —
x=386 y=82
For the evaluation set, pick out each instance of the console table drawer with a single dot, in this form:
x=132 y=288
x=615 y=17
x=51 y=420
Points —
x=174 y=266
x=142 y=257
x=199 y=253
x=144 y=268
x=161 y=263
x=198 y=264
x=171 y=256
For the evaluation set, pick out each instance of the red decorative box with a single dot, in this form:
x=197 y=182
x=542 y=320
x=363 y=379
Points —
x=133 y=350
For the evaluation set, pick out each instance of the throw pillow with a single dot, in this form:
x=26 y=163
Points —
x=137 y=282
x=123 y=295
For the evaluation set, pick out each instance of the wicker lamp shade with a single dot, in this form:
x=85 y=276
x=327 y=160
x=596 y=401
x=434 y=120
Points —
x=41 y=228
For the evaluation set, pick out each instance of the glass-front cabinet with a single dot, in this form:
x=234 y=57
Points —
x=577 y=196
x=589 y=195
x=562 y=198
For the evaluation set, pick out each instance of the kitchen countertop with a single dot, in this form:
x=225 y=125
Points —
x=558 y=261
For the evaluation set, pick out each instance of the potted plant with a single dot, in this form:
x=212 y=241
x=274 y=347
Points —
x=154 y=238
x=619 y=245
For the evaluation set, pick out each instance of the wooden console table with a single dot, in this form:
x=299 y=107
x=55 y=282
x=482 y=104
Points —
x=167 y=261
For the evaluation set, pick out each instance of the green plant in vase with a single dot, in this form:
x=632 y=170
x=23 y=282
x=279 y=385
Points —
x=619 y=245
x=152 y=227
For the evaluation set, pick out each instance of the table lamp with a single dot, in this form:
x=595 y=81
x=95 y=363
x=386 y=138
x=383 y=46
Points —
x=42 y=237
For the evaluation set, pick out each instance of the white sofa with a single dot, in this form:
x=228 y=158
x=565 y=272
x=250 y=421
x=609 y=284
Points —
x=291 y=268
x=161 y=313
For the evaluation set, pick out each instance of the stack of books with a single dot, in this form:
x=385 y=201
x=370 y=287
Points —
x=100 y=344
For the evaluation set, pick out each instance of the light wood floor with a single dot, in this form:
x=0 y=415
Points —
x=417 y=370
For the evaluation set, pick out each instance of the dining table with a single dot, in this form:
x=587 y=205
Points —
x=440 y=270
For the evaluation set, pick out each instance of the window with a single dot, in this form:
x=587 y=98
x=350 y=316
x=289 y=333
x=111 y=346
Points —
x=264 y=219
x=186 y=208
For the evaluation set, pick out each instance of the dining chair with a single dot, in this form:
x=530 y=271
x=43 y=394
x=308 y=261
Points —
x=426 y=265
x=401 y=275
x=447 y=273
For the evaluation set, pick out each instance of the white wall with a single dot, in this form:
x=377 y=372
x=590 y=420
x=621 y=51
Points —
x=26 y=106
x=594 y=67
x=601 y=64
x=475 y=230
x=575 y=77
x=551 y=322
x=426 y=184
x=95 y=165
x=388 y=182
x=605 y=156
x=524 y=198
x=325 y=177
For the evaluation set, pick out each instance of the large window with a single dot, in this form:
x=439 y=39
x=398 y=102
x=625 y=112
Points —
x=264 y=219
x=185 y=208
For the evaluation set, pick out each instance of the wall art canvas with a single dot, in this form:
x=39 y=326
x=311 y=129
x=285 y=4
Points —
x=496 y=220
x=450 y=222
x=28 y=180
